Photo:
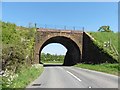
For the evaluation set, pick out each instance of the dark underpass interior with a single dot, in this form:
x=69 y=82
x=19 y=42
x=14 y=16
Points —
x=73 y=55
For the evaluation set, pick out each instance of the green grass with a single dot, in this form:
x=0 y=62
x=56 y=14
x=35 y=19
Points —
x=107 y=68
x=53 y=62
x=26 y=76
x=106 y=36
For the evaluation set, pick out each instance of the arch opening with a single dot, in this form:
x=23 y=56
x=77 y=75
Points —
x=73 y=55
x=53 y=53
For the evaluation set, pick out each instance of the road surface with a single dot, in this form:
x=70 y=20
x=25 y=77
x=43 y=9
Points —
x=72 y=77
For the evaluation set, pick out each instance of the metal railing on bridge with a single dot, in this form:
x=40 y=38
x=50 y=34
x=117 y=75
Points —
x=59 y=27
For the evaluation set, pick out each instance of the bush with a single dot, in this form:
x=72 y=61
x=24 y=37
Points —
x=17 y=50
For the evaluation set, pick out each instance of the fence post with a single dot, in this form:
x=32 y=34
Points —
x=55 y=26
x=73 y=28
x=113 y=48
x=110 y=42
x=83 y=29
x=45 y=26
x=65 y=27
x=35 y=25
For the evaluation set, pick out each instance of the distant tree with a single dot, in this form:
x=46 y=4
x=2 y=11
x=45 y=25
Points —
x=51 y=58
x=105 y=29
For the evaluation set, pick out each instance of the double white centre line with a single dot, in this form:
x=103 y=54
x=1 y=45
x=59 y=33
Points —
x=74 y=76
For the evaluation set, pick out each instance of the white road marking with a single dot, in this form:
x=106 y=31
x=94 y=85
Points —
x=60 y=67
x=89 y=87
x=74 y=76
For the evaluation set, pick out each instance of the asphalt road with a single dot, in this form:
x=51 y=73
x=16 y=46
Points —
x=72 y=77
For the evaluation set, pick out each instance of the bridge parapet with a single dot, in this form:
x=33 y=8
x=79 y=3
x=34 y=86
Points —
x=58 y=30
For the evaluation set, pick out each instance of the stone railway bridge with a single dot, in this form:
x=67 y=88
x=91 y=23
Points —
x=79 y=45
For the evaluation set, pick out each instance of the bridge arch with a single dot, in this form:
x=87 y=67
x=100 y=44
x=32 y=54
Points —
x=73 y=55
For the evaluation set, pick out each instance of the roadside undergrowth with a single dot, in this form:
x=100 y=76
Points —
x=23 y=78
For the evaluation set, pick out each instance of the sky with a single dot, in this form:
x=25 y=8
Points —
x=90 y=15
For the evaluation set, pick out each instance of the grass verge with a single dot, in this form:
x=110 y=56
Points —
x=107 y=68
x=26 y=76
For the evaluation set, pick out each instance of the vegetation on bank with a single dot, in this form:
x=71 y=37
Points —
x=17 y=46
x=105 y=67
x=107 y=41
x=17 y=53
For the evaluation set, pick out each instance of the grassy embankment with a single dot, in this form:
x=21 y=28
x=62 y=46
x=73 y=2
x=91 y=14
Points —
x=105 y=37
x=101 y=38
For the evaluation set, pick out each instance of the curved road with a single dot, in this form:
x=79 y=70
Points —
x=72 y=77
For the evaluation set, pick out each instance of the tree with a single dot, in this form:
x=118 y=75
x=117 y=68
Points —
x=105 y=29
